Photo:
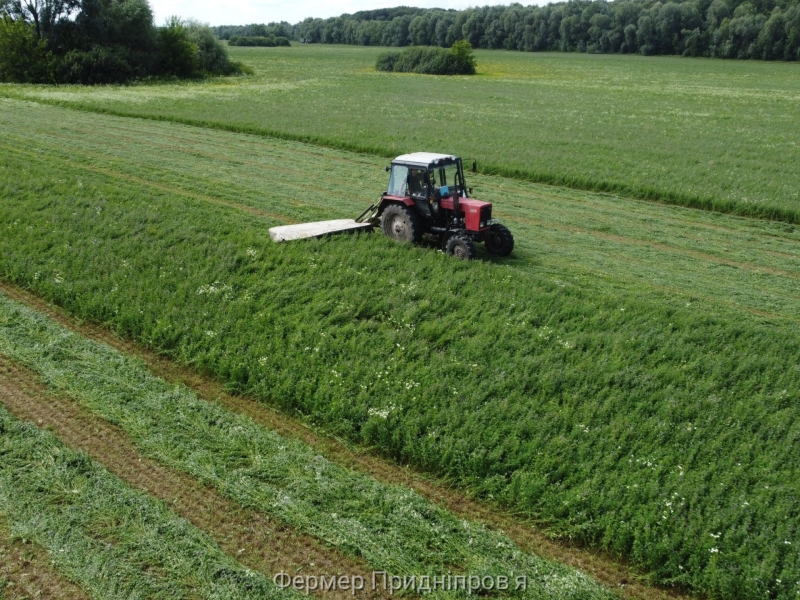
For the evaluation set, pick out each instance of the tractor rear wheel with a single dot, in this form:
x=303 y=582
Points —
x=461 y=247
x=401 y=223
x=499 y=241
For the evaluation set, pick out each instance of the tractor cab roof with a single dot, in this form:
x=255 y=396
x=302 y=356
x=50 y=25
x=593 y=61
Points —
x=425 y=160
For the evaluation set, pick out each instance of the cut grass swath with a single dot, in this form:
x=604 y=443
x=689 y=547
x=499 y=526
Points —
x=114 y=541
x=26 y=571
x=393 y=528
x=258 y=542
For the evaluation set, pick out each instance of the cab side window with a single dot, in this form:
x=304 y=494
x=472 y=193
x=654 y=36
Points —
x=398 y=182
x=417 y=184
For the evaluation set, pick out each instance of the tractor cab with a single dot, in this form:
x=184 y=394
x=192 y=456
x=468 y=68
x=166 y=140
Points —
x=427 y=194
x=424 y=175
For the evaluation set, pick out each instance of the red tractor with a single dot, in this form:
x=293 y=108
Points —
x=427 y=194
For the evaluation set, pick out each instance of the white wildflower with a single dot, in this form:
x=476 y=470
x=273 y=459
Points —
x=375 y=412
x=213 y=288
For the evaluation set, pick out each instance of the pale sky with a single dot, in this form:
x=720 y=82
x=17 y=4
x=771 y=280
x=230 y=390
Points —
x=242 y=12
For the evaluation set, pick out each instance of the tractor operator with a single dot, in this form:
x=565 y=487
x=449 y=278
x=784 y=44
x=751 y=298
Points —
x=417 y=183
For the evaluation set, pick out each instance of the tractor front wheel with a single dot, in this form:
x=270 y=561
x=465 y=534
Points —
x=461 y=247
x=400 y=223
x=499 y=240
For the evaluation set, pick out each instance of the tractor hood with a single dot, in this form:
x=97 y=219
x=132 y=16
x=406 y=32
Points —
x=477 y=214
x=467 y=205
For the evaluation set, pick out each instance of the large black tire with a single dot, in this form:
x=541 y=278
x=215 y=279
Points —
x=461 y=247
x=401 y=223
x=499 y=240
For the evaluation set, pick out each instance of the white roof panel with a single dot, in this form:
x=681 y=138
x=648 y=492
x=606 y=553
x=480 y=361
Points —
x=423 y=158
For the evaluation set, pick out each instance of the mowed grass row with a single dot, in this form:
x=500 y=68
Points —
x=26 y=571
x=115 y=542
x=391 y=527
x=710 y=133
x=657 y=419
x=744 y=263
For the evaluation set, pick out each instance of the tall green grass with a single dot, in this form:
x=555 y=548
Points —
x=606 y=240
x=704 y=133
x=392 y=527
x=113 y=541
x=629 y=377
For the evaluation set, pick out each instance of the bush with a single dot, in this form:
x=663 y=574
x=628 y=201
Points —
x=178 y=55
x=212 y=56
x=386 y=61
x=190 y=49
x=256 y=40
x=24 y=58
x=464 y=57
x=126 y=23
x=430 y=60
x=110 y=41
x=100 y=64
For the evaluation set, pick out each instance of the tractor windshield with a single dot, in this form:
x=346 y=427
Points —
x=451 y=179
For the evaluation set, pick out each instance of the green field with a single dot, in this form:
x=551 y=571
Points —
x=698 y=132
x=114 y=541
x=628 y=377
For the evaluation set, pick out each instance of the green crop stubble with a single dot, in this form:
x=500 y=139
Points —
x=391 y=527
x=564 y=382
x=701 y=132
x=112 y=540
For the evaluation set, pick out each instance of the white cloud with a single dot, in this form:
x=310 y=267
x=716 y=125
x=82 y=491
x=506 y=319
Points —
x=242 y=12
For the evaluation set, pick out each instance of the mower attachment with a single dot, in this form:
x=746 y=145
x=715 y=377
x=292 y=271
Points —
x=286 y=233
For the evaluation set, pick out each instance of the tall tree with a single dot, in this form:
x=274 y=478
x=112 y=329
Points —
x=43 y=14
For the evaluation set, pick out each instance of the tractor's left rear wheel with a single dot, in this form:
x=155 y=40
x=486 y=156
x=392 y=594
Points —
x=401 y=224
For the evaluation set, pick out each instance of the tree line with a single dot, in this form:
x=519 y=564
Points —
x=258 y=40
x=758 y=29
x=102 y=41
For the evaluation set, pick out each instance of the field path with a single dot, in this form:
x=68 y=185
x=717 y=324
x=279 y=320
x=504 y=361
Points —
x=252 y=538
x=25 y=568
x=205 y=508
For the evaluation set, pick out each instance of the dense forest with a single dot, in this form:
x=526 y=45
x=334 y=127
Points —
x=102 y=41
x=761 y=29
